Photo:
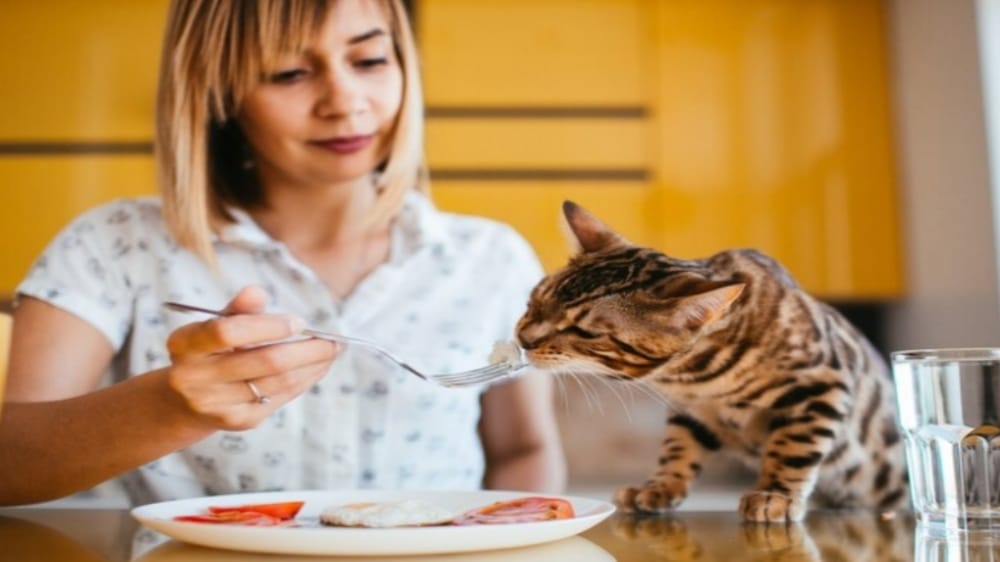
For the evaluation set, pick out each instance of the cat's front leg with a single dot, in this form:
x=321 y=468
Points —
x=800 y=438
x=684 y=445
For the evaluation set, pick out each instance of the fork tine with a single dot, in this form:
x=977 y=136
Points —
x=487 y=371
x=461 y=383
x=478 y=376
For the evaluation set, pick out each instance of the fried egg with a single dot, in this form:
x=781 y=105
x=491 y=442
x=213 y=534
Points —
x=405 y=513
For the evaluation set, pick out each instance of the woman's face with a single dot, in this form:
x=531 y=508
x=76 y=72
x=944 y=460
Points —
x=326 y=115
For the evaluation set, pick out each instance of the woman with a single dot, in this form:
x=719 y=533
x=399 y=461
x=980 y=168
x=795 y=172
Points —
x=289 y=153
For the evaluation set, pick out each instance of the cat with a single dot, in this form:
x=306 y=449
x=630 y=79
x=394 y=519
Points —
x=747 y=362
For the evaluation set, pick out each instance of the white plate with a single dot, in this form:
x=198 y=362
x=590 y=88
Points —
x=313 y=538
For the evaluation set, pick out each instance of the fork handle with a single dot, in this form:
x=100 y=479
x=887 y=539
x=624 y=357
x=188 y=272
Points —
x=181 y=307
x=319 y=334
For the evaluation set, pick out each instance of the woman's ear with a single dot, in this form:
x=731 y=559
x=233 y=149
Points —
x=587 y=231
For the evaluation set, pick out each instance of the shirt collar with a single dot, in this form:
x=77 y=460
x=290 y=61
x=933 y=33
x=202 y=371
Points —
x=243 y=231
x=418 y=226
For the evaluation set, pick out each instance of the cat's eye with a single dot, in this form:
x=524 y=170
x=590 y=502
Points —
x=581 y=333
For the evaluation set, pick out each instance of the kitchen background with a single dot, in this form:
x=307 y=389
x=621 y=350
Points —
x=847 y=138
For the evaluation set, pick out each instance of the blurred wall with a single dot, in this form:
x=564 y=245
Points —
x=946 y=200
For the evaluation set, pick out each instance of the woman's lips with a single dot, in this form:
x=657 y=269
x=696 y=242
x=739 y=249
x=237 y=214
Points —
x=345 y=145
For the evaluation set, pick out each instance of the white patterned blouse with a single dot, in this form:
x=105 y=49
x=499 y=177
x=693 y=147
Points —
x=453 y=285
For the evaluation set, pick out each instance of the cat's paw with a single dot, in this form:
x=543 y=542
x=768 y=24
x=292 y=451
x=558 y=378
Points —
x=651 y=497
x=763 y=506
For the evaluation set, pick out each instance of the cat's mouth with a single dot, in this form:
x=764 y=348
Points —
x=558 y=364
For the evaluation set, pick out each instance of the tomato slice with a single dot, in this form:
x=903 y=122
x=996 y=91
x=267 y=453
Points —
x=280 y=510
x=261 y=514
x=521 y=510
x=232 y=517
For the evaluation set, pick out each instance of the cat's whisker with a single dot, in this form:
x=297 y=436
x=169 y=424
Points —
x=588 y=393
x=561 y=377
x=612 y=389
x=593 y=404
x=563 y=394
x=609 y=384
x=649 y=389
x=572 y=369
x=587 y=381
x=643 y=386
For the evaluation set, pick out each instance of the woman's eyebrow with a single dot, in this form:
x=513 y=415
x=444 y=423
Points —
x=366 y=36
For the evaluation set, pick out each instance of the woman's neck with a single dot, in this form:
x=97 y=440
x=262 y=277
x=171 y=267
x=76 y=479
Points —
x=318 y=219
x=327 y=229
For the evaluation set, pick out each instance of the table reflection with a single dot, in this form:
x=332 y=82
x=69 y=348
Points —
x=30 y=541
x=711 y=537
x=573 y=549
x=96 y=535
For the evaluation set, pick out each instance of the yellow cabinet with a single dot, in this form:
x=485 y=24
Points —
x=79 y=70
x=49 y=192
x=691 y=125
x=78 y=86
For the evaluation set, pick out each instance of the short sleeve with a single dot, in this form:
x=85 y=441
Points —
x=84 y=269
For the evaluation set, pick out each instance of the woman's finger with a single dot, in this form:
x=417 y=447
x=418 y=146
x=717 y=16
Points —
x=281 y=387
x=194 y=378
x=231 y=332
x=249 y=300
x=272 y=359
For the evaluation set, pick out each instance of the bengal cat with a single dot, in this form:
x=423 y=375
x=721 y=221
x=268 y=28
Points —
x=747 y=362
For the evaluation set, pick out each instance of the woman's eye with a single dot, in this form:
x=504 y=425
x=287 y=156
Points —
x=286 y=76
x=371 y=62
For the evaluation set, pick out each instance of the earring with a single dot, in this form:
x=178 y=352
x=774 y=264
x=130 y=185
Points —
x=247 y=162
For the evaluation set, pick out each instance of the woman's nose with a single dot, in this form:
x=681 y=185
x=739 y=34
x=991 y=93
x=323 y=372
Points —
x=340 y=95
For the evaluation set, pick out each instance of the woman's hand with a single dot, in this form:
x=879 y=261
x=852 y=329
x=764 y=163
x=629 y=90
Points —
x=213 y=362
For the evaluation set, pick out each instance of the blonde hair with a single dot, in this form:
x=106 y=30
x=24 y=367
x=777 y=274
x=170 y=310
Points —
x=214 y=53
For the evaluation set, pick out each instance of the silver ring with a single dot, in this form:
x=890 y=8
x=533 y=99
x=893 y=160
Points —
x=261 y=399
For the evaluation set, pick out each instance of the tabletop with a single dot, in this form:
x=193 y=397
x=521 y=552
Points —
x=107 y=535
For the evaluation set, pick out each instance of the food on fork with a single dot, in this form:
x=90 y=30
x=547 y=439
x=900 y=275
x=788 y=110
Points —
x=505 y=352
x=405 y=513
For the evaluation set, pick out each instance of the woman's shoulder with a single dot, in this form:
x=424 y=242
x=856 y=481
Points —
x=114 y=227
x=491 y=243
x=147 y=211
x=467 y=228
x=123 y=218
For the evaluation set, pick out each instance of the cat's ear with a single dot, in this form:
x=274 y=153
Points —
x=706 y=307
x=591 y=234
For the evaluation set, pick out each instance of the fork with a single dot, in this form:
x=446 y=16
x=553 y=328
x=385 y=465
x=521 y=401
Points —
x=482 y=375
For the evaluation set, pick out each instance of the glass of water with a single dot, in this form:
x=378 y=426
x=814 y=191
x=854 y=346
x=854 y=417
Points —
x=950 y=420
